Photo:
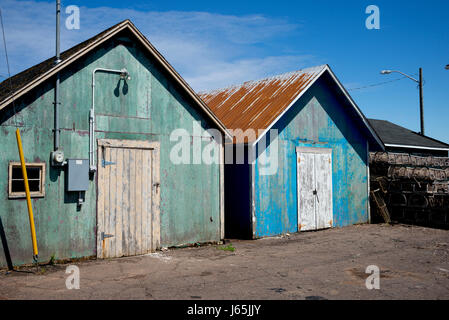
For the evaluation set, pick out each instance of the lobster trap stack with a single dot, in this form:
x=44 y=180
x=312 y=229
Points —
x=409 y=189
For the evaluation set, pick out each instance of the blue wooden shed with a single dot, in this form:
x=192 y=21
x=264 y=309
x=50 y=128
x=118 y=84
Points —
x=299 y=157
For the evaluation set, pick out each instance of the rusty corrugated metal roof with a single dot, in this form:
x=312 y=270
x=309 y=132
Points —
x=257 y=104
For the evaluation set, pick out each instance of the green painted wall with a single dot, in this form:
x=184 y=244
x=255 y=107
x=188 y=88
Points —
x=148 y=107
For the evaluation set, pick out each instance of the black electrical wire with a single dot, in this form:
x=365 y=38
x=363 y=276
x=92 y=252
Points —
x=378 y=84
x=7 y=64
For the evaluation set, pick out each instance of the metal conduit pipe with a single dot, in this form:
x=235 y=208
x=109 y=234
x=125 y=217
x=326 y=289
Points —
x=124 y=74
x=57 y=60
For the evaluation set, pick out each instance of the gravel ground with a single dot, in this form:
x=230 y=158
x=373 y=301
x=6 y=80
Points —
x=329 y=264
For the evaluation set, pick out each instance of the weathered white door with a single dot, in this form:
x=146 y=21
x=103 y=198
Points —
x=306 y=187
x=314 y=170
x=128 y=198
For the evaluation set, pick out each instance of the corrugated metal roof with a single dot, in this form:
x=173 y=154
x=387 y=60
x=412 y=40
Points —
x=257 y=104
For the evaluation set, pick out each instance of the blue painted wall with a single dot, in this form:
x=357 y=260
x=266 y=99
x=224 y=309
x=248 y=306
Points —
x=320 y=118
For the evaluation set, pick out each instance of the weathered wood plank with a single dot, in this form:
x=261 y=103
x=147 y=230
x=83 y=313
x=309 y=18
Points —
x=125 y=205
x=130 y=144
x=324 y=190
x=132 y=202
x=119 y=204
x=146 y=197
x=112 y=213
x=306 y=186
x=100 y=204
x=107 y=205
x=138 y=210
x=156 y=193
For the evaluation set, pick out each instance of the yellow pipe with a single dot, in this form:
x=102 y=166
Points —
x=27 y=191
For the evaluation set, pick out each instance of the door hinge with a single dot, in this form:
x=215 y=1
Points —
x=105 y=236
x=105 y=163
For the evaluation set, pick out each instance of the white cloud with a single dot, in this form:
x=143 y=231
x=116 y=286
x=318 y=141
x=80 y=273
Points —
x=221 y=74
x=209 y=50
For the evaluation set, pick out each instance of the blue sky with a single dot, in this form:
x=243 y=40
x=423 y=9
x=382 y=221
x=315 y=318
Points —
x=217 y=43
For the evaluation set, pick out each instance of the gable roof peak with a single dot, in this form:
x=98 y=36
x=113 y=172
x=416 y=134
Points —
x=19 y=84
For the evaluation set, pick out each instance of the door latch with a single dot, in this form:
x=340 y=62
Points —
x=105 y=163
x=105 y=236
x=315 y=193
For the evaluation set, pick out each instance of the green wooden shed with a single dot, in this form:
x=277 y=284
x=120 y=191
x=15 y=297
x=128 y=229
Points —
x=110 y=187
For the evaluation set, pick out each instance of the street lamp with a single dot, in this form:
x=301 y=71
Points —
x=447 y=67
x=420 y=82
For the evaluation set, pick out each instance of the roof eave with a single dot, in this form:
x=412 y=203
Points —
x=45 y=76
x=392 y=145
x=357 y=109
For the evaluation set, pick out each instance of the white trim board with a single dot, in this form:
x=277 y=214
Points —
x=313 y=150
x=415 y=147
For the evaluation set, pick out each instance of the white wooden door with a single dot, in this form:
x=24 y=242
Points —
x=314 y=170
x=128 y=198
x=306 y=187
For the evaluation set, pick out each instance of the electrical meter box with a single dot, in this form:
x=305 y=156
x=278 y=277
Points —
x=77 y=174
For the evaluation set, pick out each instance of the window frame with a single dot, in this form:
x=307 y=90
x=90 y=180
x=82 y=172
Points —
x=33 y=194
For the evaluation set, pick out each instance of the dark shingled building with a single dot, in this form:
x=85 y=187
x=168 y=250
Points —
x=398 y=139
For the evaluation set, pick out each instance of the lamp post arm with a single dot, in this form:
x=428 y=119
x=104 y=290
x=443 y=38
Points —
x=421 y=99
x=406 y=75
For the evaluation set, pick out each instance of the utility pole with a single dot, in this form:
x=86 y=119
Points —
x=421 y=101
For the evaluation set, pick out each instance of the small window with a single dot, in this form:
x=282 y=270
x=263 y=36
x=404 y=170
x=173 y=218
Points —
x=36 y=180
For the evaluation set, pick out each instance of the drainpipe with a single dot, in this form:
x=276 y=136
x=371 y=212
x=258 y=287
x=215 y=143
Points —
x=124 y=74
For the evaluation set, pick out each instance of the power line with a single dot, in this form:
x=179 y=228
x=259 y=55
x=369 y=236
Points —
x=377 y=84
x=7 y=64
x=4 y=43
